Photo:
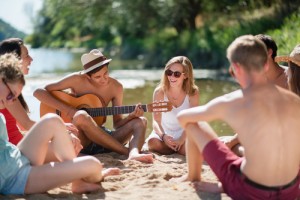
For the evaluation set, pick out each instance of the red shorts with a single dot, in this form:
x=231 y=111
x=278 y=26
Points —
x=226 y=166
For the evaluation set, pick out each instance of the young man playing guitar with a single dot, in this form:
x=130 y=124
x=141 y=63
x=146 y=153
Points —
x=95 y=79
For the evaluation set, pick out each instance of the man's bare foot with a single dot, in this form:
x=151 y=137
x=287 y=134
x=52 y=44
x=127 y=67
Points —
x=185 y=178
x=208 y=187
x=180 y=179
x=80 y=186
x=144 y=158
x=110 y=172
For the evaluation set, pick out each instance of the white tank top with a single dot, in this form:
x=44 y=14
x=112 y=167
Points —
x=169 y=121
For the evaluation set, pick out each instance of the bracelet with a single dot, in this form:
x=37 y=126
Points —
x=162 y=137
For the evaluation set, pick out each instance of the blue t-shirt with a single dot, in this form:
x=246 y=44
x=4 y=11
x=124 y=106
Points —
x=11 y=159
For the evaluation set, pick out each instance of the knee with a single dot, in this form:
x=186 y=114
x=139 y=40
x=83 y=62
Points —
x=191 y=126
x=94 y=164
x=144 y=121
x=140 y=122
x=153 y=144
x=81 y=118
x=51 y=120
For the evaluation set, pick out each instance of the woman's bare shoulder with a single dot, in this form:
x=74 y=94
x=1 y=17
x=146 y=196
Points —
x=158 y=93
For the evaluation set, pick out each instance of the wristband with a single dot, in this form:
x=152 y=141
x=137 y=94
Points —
x=162 y=137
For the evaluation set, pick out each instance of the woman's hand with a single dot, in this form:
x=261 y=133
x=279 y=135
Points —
x=178 y=143
x=173 y=144
x=71 y=128
x=169 y=141
x=76 y=143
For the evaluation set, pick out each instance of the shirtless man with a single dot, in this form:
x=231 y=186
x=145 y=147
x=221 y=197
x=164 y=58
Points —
x=275 y=74
x=264 y=115
x=95 y=79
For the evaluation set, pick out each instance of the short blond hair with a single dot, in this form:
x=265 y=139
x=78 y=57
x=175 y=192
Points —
x=248 y=51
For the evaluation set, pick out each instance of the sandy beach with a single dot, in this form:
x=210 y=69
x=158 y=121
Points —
x=138 y=181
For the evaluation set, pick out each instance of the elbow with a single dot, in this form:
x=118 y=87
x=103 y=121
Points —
x=29 y=124
x=37 y=93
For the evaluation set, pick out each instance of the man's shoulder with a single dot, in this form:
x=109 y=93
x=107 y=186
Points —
x=227 y=100
x=114 y=82
x=75 y=75
x=237 y=94
x=289 y=95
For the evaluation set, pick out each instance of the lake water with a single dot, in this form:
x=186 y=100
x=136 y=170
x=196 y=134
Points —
x=52 y=65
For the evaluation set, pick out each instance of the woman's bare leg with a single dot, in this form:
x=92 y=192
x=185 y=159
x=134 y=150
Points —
x=84 y=172
x=158 y=146
x=36 y=142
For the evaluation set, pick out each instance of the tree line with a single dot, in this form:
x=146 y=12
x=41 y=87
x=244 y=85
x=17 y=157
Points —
x=153 y=31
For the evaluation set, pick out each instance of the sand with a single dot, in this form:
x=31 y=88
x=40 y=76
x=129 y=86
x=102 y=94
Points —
x=138 y=181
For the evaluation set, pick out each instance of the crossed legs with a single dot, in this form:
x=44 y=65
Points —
x=133 y=132
x=83 y=172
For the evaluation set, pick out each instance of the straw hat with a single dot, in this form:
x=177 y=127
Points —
x=93 y=60
x=294 y=57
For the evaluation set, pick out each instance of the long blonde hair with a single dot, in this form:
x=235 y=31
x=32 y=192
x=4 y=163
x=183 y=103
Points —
x=188 y=85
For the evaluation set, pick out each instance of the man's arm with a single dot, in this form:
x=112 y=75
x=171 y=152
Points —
x=45 y=96
x=211 y=111
x=118 y=120
x=21 y=116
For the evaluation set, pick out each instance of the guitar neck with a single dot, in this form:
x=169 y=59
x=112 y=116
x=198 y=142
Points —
x=104 y=111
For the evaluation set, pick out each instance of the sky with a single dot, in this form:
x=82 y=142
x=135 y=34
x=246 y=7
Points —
x=18 y=13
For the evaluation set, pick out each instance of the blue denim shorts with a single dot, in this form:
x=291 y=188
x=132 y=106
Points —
x=17 y=184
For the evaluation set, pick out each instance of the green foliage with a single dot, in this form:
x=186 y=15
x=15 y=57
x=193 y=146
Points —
x=153 y=31
x=287 y=36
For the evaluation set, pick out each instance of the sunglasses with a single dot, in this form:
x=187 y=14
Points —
x=177 y=74
x=11 y=96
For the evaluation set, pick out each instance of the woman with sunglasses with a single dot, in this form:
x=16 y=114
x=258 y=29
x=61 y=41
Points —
x=177 y=86
x=23 y=167
x=17 y=112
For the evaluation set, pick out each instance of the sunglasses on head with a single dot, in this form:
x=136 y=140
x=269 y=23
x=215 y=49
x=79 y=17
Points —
x=177 y=74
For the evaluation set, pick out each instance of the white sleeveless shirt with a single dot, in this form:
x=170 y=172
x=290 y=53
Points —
x=169 y=120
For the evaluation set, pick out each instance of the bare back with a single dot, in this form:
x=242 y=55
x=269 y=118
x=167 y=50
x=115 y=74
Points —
x=268 y=128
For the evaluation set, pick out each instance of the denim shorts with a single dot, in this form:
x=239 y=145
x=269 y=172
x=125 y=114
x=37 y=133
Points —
x=17 y=184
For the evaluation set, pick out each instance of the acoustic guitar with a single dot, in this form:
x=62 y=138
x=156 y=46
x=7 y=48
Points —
x=94 y=107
